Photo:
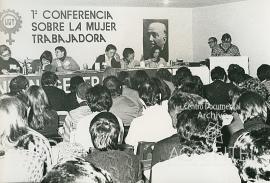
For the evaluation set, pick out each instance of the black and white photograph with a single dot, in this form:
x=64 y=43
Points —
x=156 y=91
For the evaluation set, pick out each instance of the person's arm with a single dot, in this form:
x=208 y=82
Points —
x=71 y=65
x=100 y=59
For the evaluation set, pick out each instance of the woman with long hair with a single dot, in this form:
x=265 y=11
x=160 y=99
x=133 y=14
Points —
x=155 y=61
x=41 y=117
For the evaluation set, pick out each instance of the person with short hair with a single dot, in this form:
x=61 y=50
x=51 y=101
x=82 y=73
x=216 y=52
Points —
x=226 y=48
x=104 y=130
x=76 y=170
x=236 y=74
x=217 y=92
x=182 y=74
x=99 y=100
x=166 y=76
x=263 y=73
x=155 y=122
x=128 y=61
x=44 y=63
x=7 y=63
x=55 y=95
x=123 y=107
x=108 y=59
x=250 y=155
x=192 y=157
x=62 y=62
x=138 y=79
x=78 y=113
x=212 y=42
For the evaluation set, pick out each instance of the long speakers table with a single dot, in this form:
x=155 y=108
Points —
x=95 y=77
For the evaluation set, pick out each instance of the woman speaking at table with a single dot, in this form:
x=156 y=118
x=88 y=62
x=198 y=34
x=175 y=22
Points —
x=156 y=60
x=62 y=62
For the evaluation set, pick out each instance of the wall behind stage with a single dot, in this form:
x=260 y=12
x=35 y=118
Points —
x=128 y=30
x=246 y=21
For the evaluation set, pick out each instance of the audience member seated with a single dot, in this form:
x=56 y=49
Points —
x=251 y=156
x=183 y=73
x=155 y=60
x=41 y=117
x=76 y=170
x=55 y=95
x=165 y=92
x=252 y=112
x=62 y=62
x=122 y=166
x=71 y=99
x=75 y=115
x=236 y=74
x=7 y=63
x=192 y=85
x=18 y=85
x=180 y=101
x=122 y=106
x=171 y=147
x=25 y=154
x=128 y=61
x=138 y=79
x=155 y=123
x=192 y=153
x=218 y=91
x=108 y=59
x=166 y=76
x=99 y=100
x=127 y=90
x=263 y=73
x=44 y=63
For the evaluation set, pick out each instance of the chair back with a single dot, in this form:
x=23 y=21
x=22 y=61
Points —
x=61 y=116
x=144 y=152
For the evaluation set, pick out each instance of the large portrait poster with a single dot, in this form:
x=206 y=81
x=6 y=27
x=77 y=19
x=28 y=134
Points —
x=155 y=33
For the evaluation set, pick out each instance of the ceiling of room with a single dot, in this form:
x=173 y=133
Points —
x=154 y=3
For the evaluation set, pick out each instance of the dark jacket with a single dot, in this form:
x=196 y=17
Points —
x=218 y=92
x=101 y=59
x=56 y=98
x=6 y=65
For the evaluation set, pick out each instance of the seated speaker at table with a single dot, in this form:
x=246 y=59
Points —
x=128 y=59
x=156 y=60
x=7 y=63
x=44 y=63
x=62 y=62
x=109 y=59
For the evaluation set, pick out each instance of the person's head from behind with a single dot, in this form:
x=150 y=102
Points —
x=49 y=78
x=198 y=128
x=263 y=72
x=5 y=52
x=236 y=73
x=155 y=52
x=183 y=73
x=192 y=85
x=110 y=50
x=226 y=38
x=218 y=73
x=180 y=101
x=114 y=85
x=60 y=53
x=104 y=130
x=124 y=78
x=38 y=102
x=13 y=121
x=164 y=74
x=46 y=58
x=138 y=78
x=128 y=55
x=157 y=34
x=76 y=170
x=150 y=93
x=74 y=83
x=252 y=156
x=81 y=91
x=99 y=98
x=251 y=105
x=164 y=89
x=212 y=42
x=18 y=85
